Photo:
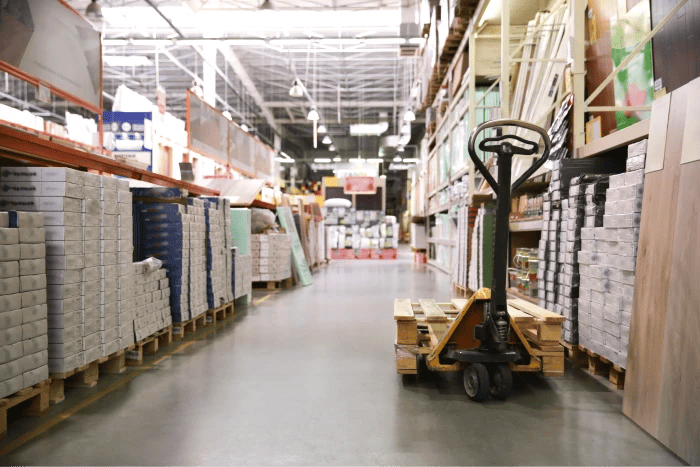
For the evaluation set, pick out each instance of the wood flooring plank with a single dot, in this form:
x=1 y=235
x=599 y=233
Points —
x=649 y=307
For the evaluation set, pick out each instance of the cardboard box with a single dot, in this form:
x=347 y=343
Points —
x=67 y=349
x=64 y=320
x=10 y=252
x=11 y=352
x=11 y=369
x=35 y=297
x=90 y=327
x=58 y=203
x=62 y=174
x=35 y=376
x=68 y=190
x=63 y=365
x=35 y=360
x=93 y=354
x=65 y=262
x=34 y=282
x=9 y=269
x=91 y=340
x=65 y=306
x=20 y=174
x=34 y=329
x=34 y=313
x=9 y=236
x=64 y=233
x=64 y=276
x=9 y=286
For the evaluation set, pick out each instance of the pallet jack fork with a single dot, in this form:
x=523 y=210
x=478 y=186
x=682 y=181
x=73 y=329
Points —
x=479 y=339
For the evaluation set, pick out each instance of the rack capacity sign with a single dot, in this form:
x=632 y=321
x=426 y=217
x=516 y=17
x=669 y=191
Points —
x=360 y=185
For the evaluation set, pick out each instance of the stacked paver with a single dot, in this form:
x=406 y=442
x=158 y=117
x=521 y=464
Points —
x=23 y=316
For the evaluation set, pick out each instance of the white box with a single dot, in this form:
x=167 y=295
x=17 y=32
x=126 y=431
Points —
x=32 y=235
x=107 y=309
x=64 y=233
x=35 y=376
x=35 y=297
x=89 y=301
x=11 y=386
x=62 y=174
x=11 y=352
x=90 y=327
x=65 y=262
x=91 y=179
x=9 y=236
x=111 y=347
x=34 y=282
x=90 y=314
x=10 y=335
x=93 y=354
x=91 y=287
x=92 y=248
x=4 y=220
x=109 y=335
x=108 y=183
x=91 y=340
x=34 y=329
x=62 y=248
x=61 y=292
x=92 y=260
x=35 y=344
x=34 y=313
x=20 y=174
x=90 y=220
x=35 y=360
x=91 y=233
x=64 y=306
x=58 y=203
x=63 y=365
x=27 y=220
x=10 y=369
x=9 y=269
x=10 y=252
x=64 y=276
x=9 y=286
x=91 y=192
x=68 y=190
x=10 y=319
x=64 y=320
x=67 y=349
x=32 y=250
x=56 y=218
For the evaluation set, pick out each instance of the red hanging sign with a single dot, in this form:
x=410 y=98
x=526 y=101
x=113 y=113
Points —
x=363 y=185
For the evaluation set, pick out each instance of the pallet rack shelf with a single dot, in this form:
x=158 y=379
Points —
x=40 y=149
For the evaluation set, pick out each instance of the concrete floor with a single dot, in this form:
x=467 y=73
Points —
x=308 y=377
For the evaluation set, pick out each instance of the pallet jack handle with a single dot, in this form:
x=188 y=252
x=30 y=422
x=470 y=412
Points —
x=496 y=329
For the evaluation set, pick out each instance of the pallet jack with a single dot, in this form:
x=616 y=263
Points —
x=479 y=340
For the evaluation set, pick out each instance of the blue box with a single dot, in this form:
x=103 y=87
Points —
x=159 y=207
x=157 y=192
x=170 y=217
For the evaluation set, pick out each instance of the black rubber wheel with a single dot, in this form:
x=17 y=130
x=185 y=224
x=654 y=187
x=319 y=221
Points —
x=476 y=382
x=501 y=382
x=423 y=371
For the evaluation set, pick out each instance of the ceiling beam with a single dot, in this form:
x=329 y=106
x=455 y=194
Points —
x=331 y=104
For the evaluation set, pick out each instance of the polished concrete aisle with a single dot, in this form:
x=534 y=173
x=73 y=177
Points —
x=308 y=377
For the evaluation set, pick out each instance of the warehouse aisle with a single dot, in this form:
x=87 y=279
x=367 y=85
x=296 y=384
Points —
x=308 y=377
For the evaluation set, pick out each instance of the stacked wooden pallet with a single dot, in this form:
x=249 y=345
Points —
x=420 y=326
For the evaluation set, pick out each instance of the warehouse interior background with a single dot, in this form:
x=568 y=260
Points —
x=209 y=210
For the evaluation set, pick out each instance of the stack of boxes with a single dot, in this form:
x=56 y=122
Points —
x=272 y=257
x=217 y=254
x=347 y=228
x=243 y=273
x=151 y=299
x=23 y=315
x=125 y=257
x=228 y=251
x=610 y=258
x=198 y=257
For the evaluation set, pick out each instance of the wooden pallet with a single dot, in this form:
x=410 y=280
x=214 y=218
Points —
x=462 y=291
x=420 y=326
x=37 y=398
x=220 y=313
x=189 y=326
x=599 y=365
x=149 y=346
x=574 y=355
x=274 y=285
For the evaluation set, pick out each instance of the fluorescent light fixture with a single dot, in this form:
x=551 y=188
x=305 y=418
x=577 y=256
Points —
x=331 y=147
x=337 y=159
x=322 y=129
x=385 y=41
x=322 y=160
x=313 y=115
x=227 y=114
x=284 y=42
x=375 y=160
x=115 y=42
x=382 y=176
x=416 y=40
x=126 y=60
x=297 y=89
x=412 y=159
x=397 y=159
x=357 y=160
x=151 y=42
x=368 y=129
x=409 y=116
x=400 y=149
x=244 y=42
x=244 y=127
x=284 y=160
x=326 y=139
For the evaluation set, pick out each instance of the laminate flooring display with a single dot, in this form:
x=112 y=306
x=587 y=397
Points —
x=662 y=387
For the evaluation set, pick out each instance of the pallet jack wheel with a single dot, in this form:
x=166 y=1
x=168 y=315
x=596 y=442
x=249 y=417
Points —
x=501 y=382
x=476 y=382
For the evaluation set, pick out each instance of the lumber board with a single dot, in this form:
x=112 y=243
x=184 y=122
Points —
x=536 y=311
x=432 y=312
x=521 y=317
x=459 y=303
x=403 y=309
x=663 y=364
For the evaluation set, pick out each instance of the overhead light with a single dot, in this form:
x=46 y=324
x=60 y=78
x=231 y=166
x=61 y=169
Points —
x=326 y=139
x=331 y=147
x=382 y=176
x=322 y=129
x=267 y=5
x=341 y=41
x=386 y=41
x=244 y=127
x=313 y=115
x=368 y=129
x=297 y=89
x=337 y=159
x=126 y=60
x=322 y=160
x=244 y=42
x=400 y=149
x=93 y=10
x=375 y=160
x=416 y=40
x=284 y=160
x=357 y=159
x=409 y=116
x=397 y=159
x=227 y=114
x=414 y=160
